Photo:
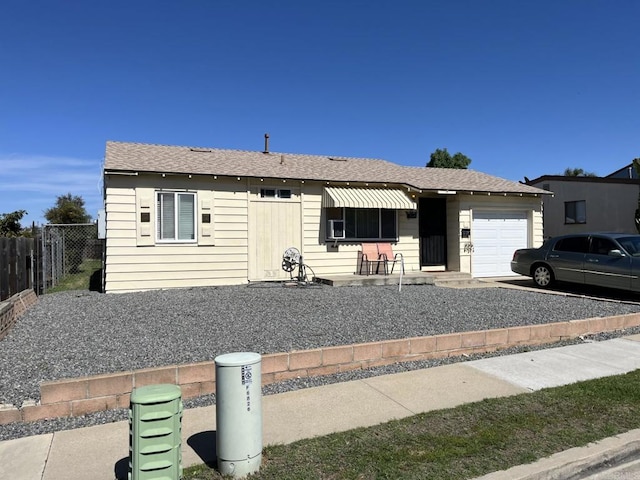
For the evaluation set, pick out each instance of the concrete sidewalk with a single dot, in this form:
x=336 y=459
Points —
x=101 y=452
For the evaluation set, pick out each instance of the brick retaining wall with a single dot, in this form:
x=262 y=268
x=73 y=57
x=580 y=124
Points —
x=79 y=396
x=12 y=308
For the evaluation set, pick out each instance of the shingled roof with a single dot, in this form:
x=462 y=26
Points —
x=139 y=157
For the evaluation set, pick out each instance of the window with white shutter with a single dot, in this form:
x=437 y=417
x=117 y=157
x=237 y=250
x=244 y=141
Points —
x=175 y=217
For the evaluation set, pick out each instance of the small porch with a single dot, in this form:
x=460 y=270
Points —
x=412 y=278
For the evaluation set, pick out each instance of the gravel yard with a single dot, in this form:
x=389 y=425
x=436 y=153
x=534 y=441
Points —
x=83 y=333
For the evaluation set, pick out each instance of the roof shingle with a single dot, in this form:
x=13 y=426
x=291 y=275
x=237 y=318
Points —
x=139 y=157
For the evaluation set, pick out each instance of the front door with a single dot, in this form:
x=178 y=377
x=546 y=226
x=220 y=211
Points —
x=433 y=231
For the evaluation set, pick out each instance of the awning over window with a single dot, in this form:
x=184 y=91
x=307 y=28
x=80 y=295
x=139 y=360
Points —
x=366 y=198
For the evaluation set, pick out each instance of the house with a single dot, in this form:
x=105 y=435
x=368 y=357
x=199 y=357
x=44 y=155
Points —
x=628 y=171
x=589 y=204
x=187 y=217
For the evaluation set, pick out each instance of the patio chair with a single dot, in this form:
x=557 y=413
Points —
x=386 y=255
x=367 y=258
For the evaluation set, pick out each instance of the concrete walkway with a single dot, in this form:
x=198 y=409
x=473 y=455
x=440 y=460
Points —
x=101 y=452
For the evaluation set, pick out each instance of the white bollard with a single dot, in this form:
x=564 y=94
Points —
x=239 y=413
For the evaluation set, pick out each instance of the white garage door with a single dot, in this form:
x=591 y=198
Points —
x=495 y=237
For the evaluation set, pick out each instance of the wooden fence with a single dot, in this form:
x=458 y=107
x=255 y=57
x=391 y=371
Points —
x=18 y=267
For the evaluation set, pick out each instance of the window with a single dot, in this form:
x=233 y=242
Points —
x=363 y=223
x=602 y=246
x=631 y=245
x=176 y=217
x=575 y=212
x=275 y=193
x=573 y=244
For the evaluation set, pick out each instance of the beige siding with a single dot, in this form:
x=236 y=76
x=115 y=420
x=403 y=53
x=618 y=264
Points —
x=130 y=267
x=116 y=242
x=188 y=282
x=248 y=234
x=408 y=241
x=456 y=220
x=537 y=229
x=116 y=216
x=165 y=256
x=137 y=256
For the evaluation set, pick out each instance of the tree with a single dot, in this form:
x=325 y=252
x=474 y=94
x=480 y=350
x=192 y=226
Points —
x=443 y=159
x=578 y=172
x=68 y=209
x=10 y=223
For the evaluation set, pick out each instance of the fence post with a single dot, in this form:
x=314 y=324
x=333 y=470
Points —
x=4 y=269
x=13 y=263
x=37 y=264
x=21 y=265
x=43 y=254
x=31 y=267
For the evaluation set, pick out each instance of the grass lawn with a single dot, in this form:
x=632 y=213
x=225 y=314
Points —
x=462 y=442
x=82 y=280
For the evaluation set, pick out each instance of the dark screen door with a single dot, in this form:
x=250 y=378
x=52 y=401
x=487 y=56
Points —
x=433 y=231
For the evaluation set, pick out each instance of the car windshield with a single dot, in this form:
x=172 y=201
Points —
x=631 y=244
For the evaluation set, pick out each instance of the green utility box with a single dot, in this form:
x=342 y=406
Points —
x=155 y=433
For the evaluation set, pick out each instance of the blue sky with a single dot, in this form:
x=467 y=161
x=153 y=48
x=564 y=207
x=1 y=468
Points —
x=521 y=87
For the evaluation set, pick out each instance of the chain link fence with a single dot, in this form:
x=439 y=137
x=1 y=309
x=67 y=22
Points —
x=68 y=250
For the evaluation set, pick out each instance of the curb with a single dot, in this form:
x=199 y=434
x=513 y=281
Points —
x=574 y=463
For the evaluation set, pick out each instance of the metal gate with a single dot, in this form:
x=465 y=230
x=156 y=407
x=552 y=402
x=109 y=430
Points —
x=64 y=250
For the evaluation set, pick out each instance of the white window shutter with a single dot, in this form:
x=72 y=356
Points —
x=145 y=217
x=205 y=220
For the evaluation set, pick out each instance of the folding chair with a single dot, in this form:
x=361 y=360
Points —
x=368 y=256
x=385 y=254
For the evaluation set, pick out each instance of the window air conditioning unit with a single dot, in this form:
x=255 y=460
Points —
x=336 y=229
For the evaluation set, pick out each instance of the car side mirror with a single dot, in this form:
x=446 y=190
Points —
x=616 y=253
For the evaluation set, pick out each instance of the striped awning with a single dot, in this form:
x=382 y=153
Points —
x=366 y=198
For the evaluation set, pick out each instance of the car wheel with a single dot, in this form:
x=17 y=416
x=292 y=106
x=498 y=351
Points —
x=542 y=276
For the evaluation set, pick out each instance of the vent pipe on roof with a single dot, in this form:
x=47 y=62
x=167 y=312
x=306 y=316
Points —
x=266 y=143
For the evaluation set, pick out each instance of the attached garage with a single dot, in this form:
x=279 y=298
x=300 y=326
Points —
x=496 y=235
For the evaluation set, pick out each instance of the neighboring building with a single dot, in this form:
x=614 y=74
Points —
x=625 y=172
x=187 y=217
x=589 y=204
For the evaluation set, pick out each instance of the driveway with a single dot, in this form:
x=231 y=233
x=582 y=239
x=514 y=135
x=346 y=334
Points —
x=563 y=288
